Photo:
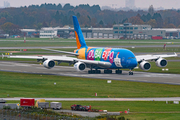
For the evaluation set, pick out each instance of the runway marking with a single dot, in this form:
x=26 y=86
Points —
x=40 y=68
x=69 y=71
x=7 y=65
x=18 y=64
x=171 y=83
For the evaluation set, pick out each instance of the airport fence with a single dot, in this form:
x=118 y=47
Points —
x=21 y=115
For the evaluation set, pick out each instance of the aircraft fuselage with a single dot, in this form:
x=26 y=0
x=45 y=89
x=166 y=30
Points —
x=119 y=58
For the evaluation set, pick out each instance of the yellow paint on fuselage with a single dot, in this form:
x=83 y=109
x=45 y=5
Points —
x=89 y=49
x=81 y=53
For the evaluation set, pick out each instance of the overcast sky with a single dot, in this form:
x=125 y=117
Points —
x=168 y=4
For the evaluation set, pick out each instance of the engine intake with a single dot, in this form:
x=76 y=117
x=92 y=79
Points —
x=144 y=65
x=49 y=64
x=80 y=66
x=161 y=62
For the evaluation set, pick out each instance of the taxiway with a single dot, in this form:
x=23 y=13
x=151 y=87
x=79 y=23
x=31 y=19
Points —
x=161 y=78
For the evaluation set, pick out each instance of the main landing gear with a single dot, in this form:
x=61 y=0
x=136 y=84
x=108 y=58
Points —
x=110 y=71
x=94 y=72
x=107 y=71
x=118 y=71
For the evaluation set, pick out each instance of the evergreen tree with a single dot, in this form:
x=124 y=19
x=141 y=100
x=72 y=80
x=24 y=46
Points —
x=151 y=10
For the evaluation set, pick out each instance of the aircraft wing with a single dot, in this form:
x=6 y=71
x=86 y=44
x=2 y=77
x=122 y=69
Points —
x=65 y=59
x=140 y=58
x=58 y=51
x=55 y=58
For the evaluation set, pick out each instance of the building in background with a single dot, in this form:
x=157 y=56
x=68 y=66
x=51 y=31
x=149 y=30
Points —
x=48 y=32
x=119 y=31
x=29 y=33
x=171 y=33
x=129 y=31
x=6 y=4
x=67 y=32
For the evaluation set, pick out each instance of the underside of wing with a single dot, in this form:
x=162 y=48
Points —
x=66 y=59
x=25 y=57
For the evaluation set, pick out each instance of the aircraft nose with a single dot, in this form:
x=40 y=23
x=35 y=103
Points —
x=134 y=63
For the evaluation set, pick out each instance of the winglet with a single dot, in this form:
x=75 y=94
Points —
x=175 y=53
x=2 y=56
x=78 y=33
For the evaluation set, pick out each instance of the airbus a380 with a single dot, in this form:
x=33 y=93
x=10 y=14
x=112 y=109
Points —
x=100 y=58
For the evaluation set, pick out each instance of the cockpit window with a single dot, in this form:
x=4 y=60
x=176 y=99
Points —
x=131 y=58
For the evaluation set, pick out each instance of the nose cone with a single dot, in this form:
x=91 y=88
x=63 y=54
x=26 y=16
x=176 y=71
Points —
x=134 y=63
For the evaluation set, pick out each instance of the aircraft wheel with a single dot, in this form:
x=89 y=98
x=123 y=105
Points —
x=89 y=71
x=118 y=71
x=110 y=71
x=97 y=71
x=93 y=71
x=130 y=73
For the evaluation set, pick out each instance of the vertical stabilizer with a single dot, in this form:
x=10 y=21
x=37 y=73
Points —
x=78 y=33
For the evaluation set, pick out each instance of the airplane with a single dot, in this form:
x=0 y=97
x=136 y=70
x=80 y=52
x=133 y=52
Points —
x=99 y=58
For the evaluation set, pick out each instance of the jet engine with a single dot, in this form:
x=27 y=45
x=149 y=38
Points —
x=80 y=66
x=49 y=64
x=161 y=62
x=144 y=65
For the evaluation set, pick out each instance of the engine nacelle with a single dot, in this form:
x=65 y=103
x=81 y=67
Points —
x=80 y=66
x=144 y=65
x=49 y=64
x=161 y=62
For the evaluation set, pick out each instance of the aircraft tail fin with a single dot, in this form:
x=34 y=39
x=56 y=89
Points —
x=78 y=33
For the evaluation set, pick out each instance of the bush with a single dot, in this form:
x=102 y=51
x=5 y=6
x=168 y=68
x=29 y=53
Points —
x=6 y=107
x=121 y=118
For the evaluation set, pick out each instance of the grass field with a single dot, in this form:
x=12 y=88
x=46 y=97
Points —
x=37 y=42
x=31 y=85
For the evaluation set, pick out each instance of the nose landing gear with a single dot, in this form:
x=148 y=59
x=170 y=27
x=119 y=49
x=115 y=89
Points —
x=130 y=72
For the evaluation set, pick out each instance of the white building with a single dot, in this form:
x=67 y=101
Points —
x=67 y=32
x=48 y=33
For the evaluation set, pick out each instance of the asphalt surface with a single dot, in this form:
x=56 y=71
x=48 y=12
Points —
x=81 y=113
x=161 y=78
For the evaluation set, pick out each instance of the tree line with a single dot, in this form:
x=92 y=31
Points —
x=52 y=15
